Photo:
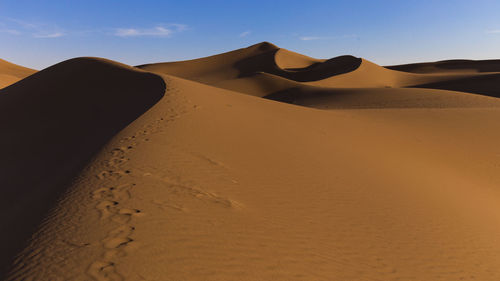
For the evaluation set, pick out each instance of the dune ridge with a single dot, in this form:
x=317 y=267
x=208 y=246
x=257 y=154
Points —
x=56 y=120
x=11 y=73
x=207 y=170
x=264 y=70
x=474 y=66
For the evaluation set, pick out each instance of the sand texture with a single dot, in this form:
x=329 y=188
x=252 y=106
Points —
x=256 y=164
x=11 y=73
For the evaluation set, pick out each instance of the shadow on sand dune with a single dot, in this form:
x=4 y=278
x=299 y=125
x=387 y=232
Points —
x=321 y=70
x=52 y=123
x=488 y=85
x=449 y=65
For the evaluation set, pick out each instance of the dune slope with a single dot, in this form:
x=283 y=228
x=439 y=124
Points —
x=473 y=66
x=204 y=171
x=11 y=73
x=213 y=185
x=52 y=123
x=487 y=84
x=264 y=70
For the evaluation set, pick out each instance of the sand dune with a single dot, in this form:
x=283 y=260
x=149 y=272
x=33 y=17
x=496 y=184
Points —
x=52 y=123
x=11 y=73
x=214 y=68
x=327 y=98
x=264 y=70
x=204 y=171
x=262 y=57
x=472 y=66
x=289 y=60
x=487 y=84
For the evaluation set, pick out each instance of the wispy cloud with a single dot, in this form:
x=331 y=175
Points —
x=245 y=33
x=24 y=24
x=166 y=30
x=309 y=38
x=50 y=31
x=9 y=31
x=36 y=30
x=49 y=35
x=494 y=31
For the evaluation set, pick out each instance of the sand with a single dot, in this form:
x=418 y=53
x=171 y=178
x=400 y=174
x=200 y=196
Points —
x=209 y=170
x=11 y=73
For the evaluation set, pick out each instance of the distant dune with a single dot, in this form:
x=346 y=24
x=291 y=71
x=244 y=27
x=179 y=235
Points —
x=264 y=70
x=447 y=66
x=208 y=170
x=11 y=73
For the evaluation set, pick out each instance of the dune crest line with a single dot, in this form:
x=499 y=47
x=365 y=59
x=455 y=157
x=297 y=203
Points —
x=54 y=121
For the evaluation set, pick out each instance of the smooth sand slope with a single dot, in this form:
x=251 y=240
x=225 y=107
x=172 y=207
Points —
x=11 y=73
x=216 y=184
x=264 y=70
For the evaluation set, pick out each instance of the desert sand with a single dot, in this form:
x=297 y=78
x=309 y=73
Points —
x=256 y=164
x=11 y=73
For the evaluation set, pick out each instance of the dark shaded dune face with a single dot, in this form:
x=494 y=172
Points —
x=331 y=98
x=52 y=123
x=265 y=62
x=264 y=46
x=212 y=69
x=488 y=85
x=322 y=70
x=258 y=58
x=450 y=66
x=265 y=70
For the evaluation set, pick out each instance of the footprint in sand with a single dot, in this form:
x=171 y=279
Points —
x=110 y=174
x=118 y=151
x=124 y=216
x=116 y=161
x=112 y=193
x=115 y=245
x=109 y=209
x=106 y=208
x=118 y=242
x=104 y=271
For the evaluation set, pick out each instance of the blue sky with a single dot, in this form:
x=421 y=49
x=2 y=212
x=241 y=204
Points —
x=40 y=33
